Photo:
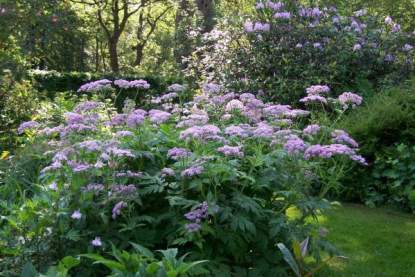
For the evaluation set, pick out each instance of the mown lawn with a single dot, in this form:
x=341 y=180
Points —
x=377 y=242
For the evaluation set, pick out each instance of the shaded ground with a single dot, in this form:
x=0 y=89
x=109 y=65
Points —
x=377 y=242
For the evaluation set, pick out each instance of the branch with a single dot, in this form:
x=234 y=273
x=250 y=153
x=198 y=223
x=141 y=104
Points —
x=101 y=22
x=151 y=23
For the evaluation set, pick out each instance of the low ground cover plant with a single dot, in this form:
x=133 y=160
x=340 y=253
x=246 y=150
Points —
x=215 y=177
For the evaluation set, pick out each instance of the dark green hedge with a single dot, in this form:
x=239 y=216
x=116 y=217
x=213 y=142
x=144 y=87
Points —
x=52 y=82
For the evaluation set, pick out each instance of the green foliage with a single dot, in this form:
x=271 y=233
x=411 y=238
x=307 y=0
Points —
x=302 y=51
x=18 y=101
x=143 y=262
x=387 y=118
x=385 y=129
x=297 y=259
x=48 y=34
x=411 y=198
x=248 y=198
x=403 y=9
x=60 y=270
x=53 y=81
x=394 y=177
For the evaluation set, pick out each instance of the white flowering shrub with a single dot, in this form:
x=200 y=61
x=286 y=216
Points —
x=215 y=177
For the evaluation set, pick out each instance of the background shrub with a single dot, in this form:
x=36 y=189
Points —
x=385 y=129
x=18 y=101
x=305 y=45
x=52 y=82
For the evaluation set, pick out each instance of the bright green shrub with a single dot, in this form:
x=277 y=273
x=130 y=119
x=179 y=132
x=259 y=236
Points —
x=386 y=119
x=385 y=129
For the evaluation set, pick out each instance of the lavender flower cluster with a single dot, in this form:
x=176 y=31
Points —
x=123 y=190
x=231 y=151
x=137 y=84
x=314 y=94
x=256 y=27
x=158 y=117
x=27 y=125
x=192 y=171
x=203 y=133
x=176 y=88
x=116 y=211
x=328 y=151
x=95 y=86
x=312 y=129
x=270 y=125
x=196 y=216
x=94 y=188
x=350 y=99
x=107 y=84
x=177 y=153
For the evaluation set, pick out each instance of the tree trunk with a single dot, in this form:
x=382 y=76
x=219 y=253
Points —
x=103 y=56
x=184 y=15
x=207 y=9
x=113 y=52
x=139 y=51
x=96 y=54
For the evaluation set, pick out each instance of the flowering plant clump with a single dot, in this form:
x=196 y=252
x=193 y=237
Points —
x=285 y=46
x=214 y=177
x=118 y=90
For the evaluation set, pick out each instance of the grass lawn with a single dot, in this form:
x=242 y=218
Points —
x=377 y=242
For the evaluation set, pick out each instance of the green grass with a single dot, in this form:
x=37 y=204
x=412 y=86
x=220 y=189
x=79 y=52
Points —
x=376 y=242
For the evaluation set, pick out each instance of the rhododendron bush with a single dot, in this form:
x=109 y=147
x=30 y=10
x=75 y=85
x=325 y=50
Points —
x=286 y=46
x=215 y=177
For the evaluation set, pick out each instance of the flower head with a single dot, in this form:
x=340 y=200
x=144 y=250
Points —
x=116 y=211
x=176 y=88
x=294 y=146
x=95 y=86
x=177 y=153
x=314 y=98
x=167 y=172
x=236 y=131
x=233 y=151
x=192 y=171
x=357 y=47
x=76 y=215
x=27 y=125
x=96 y=242
x=282 y=15
x=136 y=118
x=312 y=129
x=317 y=90
x=193 y=227
x=349 y=98
x=234 y=105
x=158 y=117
